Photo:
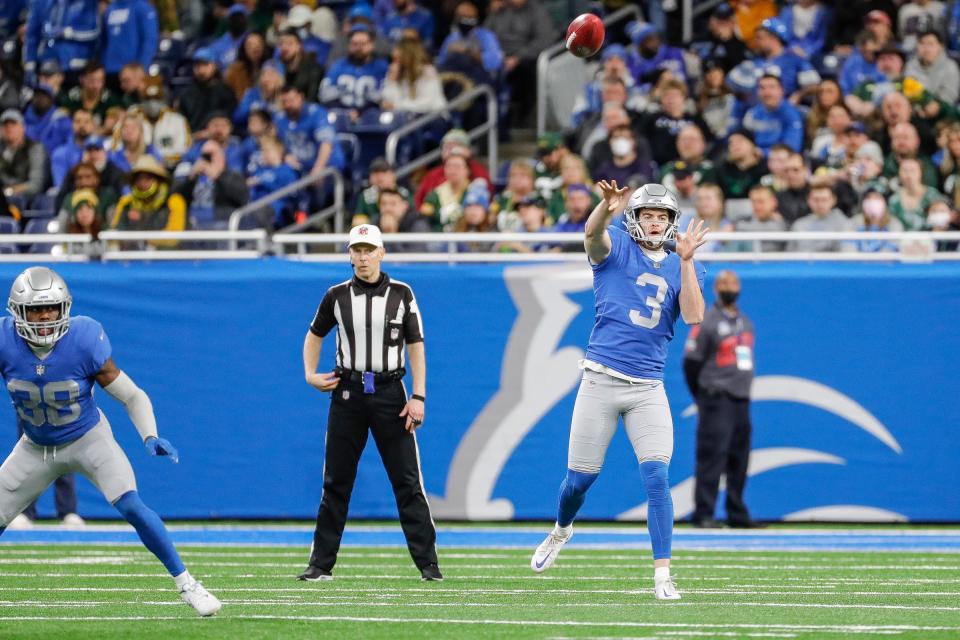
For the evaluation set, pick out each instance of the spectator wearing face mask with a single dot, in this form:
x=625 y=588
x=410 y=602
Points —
x=874 y=216
x=625 y=166
x=471 y=49
x=167 y=130
x=942 y=217
x=224 y=48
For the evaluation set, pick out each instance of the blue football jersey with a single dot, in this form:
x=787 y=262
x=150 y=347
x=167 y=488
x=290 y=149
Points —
x=53 y=397
x=637 y=305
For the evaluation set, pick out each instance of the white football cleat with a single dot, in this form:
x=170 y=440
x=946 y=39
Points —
x=73 y=520
x=20 y=523
x=546 y=554
x=205 y=603
x=666 y=590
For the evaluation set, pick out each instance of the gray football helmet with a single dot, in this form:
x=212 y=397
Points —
x=40 y=287
x=652 y=196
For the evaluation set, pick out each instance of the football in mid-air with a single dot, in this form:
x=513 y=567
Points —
x=585 y=35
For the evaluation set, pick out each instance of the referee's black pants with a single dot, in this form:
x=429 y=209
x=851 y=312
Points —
x=353 y=414
x=723 y=446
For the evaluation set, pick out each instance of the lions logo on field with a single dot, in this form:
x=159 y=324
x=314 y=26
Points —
x=537 y=375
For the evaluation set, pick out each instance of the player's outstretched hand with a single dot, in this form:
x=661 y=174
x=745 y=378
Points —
x=323 y=381
x=161 y=447
x=614 y=197
x=691 y=240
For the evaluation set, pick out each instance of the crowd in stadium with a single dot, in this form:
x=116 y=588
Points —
x=170 y=115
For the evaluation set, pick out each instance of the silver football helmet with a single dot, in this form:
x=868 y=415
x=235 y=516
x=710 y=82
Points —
x=40 y=287
x=652 y=196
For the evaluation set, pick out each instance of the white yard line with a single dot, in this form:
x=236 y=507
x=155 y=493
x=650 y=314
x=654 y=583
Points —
x=548 y=623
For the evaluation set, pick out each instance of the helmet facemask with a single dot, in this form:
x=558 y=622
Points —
x=41 y=334
x=652 y=242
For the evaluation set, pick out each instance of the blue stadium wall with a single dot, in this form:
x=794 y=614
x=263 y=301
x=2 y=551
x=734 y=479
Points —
x=855 y=412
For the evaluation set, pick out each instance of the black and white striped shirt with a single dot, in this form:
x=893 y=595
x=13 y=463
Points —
x=373 y=322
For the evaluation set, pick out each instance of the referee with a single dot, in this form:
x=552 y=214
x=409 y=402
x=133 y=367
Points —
x=375 y=316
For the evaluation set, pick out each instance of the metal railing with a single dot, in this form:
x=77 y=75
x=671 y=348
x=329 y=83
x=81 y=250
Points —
x=690 y=13
x=251 y=208
x=333 y=211
x=543 y=61
x=113 y=248
x=465 y=99
x=909 y=246
x=64 y=247
x=918 y=246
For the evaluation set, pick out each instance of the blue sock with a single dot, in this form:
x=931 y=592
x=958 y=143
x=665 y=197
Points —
x=659 y=507
x=573 y=490
x=150 y=528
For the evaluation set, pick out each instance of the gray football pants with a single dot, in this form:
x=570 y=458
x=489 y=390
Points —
x=31 y=468
x=601 y=400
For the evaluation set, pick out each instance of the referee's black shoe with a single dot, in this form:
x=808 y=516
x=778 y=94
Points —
x=315 y=574
x=431 y=573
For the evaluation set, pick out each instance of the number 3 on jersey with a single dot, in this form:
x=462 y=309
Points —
x=653 y=302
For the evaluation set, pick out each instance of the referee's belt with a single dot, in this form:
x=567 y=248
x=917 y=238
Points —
x=357 y=376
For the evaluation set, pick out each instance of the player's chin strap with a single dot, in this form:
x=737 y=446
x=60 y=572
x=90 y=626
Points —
x=137 y=403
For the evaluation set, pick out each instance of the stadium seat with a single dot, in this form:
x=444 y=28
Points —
x=170 y=50
x=8 y=226
x=350 y=144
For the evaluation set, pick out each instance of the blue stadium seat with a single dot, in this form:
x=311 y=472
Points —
x=170 y=50
x=38 y=225
x=339 y=118
x=8 y=226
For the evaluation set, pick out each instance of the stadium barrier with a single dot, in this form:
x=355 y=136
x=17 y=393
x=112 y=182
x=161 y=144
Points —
x=854 y=417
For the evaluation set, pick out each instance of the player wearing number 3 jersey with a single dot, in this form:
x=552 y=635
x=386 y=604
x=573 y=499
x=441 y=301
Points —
x=49 y=362
x=640 y=289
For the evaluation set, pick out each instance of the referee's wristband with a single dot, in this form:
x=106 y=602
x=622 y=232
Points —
x=419 y=397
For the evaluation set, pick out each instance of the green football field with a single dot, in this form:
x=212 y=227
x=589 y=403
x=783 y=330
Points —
x=97 y=591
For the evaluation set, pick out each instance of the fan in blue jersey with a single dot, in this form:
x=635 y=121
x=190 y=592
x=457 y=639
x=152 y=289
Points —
x=773 y=58
x=354 y=82
x=50 y=362
x=307 y=134
x=641 y=289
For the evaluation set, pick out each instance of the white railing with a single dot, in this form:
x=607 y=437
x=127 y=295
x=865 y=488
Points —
x=309 y=180
x=64 y=247
x=917 y=246
x=489 y=127
x=548 y=54
x=115 y=245
x=912 y=246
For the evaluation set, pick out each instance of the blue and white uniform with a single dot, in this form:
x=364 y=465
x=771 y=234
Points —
x=351 y=86
x=304 y=136
x=53 y=396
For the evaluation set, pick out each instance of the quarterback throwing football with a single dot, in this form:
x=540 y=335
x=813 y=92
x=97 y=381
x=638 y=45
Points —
x=640 y=289
x=50 y=362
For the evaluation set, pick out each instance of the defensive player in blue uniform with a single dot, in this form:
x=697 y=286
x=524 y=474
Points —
x=49 y=362
x=641 y=288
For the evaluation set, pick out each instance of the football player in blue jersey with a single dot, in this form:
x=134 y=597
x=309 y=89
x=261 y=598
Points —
x=50 y=362
x=641 y=288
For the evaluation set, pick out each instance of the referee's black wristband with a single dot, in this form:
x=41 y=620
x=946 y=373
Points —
x=417 y=396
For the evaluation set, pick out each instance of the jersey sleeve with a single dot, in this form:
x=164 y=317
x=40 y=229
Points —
x=618 y=247
x=96 y=346
x=325 y=319
x=412 y=322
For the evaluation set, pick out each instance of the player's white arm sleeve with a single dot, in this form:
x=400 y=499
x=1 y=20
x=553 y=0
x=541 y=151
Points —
x=137 y=402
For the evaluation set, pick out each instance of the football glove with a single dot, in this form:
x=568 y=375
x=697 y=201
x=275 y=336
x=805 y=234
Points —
x=161 y=447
